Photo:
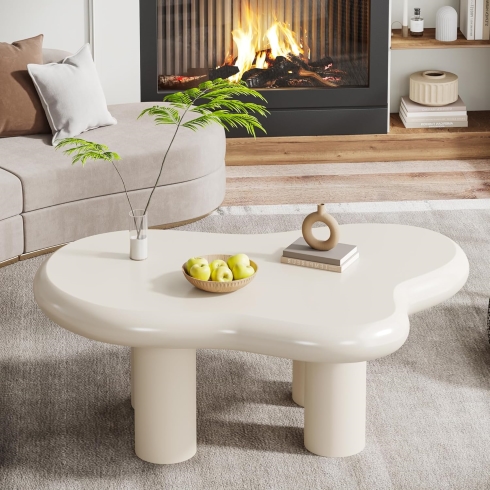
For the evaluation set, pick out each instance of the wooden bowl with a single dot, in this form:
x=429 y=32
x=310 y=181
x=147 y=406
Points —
x=220 y=287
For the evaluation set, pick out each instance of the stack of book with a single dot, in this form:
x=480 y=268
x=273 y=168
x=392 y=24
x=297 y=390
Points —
x=336 y=260
x=415 y=115
x=474 y=19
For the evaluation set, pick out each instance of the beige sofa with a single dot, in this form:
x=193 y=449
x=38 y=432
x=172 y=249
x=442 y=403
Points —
x=45 y=201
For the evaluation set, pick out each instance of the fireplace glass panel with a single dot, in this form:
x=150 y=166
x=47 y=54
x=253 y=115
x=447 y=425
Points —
x=269 y=44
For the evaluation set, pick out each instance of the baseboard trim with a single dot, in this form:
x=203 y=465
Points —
x=41 y=251
x=13 y=260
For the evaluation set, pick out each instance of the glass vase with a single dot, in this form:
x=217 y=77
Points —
x=138 y=235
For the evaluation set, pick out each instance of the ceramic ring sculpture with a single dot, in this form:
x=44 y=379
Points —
x=434 y=87
x=322 y=216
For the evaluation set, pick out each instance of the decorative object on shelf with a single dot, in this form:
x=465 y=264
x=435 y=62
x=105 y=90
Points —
x=405 y=19
x=434 y=87
x=220 y=105
x=322 y=216
x=219 y=286
x=416 y=24
x=446 y=24
x=138 y=234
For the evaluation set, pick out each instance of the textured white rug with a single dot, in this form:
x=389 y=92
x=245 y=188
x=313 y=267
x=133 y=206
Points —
x=66 y=420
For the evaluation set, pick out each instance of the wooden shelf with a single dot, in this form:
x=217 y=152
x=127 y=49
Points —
x=428 y=41
x=400 y=144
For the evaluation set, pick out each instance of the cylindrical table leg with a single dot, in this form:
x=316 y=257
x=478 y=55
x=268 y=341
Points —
x=335 y=408
x=132 y=377
x=299 y=382
x=164 y=385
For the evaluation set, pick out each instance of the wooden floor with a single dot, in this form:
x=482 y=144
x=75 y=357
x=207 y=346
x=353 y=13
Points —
x=357 y=182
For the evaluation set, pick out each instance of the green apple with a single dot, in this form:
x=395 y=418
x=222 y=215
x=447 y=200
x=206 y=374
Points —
x=242 y=271
x=201 y=272
x=222 y=274
x=238 y=259
x=194 y=260
x=217 y=263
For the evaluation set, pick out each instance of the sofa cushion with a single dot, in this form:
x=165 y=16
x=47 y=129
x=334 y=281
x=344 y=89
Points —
x=10 y=195
x=71 y=95
x=21 y=111
x=54 y=55
x=11 y=238
x=74 y=220
x=48 y=178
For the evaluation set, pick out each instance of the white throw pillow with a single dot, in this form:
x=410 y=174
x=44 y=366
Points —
x=71 y=95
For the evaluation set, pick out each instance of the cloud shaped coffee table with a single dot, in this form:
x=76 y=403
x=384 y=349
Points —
x=330 y=324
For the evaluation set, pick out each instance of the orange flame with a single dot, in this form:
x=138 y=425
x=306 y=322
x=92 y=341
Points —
x=279 y=39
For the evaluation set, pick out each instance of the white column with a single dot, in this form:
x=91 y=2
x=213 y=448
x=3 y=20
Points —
x=164 y=397
x=335 y=408
x=299 y=382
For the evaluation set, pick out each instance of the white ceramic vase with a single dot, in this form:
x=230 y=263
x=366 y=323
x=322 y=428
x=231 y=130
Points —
x=446 y=24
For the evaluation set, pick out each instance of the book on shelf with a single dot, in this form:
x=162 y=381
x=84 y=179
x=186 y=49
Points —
x=433 y=124
x=429 y=117
x=336 y=256
x=319 y=265
x=467 y=18
x=457 y=108
x=479 y=8
x=486 y=24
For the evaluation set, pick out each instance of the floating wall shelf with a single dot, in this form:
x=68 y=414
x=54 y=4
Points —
x=428 y=41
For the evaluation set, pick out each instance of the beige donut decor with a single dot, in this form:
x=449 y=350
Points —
x=321 y=216
x=434 y=88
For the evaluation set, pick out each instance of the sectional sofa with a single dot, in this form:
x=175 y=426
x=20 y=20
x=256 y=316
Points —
x=46 y=202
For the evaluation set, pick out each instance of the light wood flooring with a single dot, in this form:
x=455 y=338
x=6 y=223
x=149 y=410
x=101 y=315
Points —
x=357 y=182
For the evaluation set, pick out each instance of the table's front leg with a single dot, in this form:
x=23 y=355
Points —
x=299 y=373
x=335 y=408
x=164 y=400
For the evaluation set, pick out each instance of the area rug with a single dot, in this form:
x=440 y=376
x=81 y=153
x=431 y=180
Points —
x=66 y=420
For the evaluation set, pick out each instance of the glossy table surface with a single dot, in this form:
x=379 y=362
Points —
x=92 y=288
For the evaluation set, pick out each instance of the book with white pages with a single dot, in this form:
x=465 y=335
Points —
x=433 y=124
x=457 y=108
x=429 y=117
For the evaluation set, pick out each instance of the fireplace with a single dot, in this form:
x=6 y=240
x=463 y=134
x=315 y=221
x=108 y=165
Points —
x=322 y=65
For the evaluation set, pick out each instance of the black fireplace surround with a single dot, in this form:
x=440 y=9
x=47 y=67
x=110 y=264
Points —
x=310 y=111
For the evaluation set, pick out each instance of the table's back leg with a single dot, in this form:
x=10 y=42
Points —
x=335 y=408
x=164 y=397
x=299 y=382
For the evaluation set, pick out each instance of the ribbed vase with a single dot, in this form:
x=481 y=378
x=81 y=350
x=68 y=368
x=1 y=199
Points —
x=433 y=88
x=446 y=24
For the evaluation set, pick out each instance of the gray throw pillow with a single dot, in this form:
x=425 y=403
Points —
x=71 y=95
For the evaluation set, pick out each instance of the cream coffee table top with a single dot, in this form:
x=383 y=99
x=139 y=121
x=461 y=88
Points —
x=92 y=288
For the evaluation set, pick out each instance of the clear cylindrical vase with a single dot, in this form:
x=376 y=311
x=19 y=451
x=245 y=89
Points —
x=138 y=234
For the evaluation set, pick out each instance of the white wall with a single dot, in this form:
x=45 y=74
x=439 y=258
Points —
x=65 y=25
x=117 y=49
x=472 y=65
x=428 y=9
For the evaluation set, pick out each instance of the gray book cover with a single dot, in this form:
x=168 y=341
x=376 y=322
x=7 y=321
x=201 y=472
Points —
x=302 y=251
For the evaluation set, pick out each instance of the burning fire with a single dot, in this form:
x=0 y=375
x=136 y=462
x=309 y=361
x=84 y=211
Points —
x=279 y=40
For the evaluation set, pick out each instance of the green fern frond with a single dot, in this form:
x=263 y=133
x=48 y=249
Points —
x=162 y=114
x=82 y=151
